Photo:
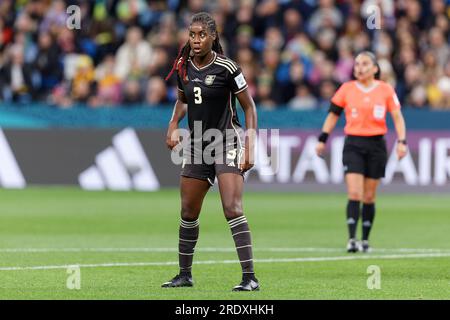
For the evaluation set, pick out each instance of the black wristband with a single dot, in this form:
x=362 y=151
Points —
x=323 y=137
x=402 y=141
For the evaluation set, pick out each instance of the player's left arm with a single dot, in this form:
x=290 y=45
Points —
x=248 y=105
x=399 y=123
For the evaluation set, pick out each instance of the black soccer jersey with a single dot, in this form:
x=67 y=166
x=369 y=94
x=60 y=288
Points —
x=211 y=93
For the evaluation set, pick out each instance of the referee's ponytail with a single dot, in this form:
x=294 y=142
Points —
x=374 y=59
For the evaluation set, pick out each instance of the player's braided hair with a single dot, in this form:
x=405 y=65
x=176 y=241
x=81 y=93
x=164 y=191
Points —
x=179 y=63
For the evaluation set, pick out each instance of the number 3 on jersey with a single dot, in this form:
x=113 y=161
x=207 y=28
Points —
x=198 y=95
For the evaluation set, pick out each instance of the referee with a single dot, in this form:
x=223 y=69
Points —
x=365 y=102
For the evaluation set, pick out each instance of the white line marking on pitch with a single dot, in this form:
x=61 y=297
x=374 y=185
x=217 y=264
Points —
x=212 y=249
x=168 y=263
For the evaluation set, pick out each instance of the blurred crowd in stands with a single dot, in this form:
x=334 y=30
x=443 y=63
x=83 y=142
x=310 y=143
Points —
x=293 y=54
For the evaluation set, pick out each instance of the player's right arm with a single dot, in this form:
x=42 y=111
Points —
x=336 y=108
x=179 y=112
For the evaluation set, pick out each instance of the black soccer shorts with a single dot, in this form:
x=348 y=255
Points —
x=365 y=155
x=205 y=164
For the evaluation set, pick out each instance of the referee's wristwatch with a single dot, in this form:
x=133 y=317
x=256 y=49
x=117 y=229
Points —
x=402 y=141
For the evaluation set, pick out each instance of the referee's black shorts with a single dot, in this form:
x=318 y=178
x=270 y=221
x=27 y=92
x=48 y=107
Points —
x=365 y=155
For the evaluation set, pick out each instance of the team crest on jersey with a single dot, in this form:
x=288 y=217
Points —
x=209 y=79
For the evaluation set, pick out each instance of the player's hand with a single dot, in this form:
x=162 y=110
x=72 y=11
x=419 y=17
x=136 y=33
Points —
x=320 y=149
x=172 y=138
x=248 y=161
x=402 y=150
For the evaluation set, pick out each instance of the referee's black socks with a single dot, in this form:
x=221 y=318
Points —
x=353 y=208
x=368 y=214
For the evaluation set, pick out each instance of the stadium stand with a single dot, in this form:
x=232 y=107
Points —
x=293 y=53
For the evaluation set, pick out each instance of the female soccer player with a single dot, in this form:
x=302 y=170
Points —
x=208 y=84
x=365 y=101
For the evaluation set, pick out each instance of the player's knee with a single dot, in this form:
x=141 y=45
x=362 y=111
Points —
x=232 y=209
x=355 y=195
x=369 y=197
x=188 y=212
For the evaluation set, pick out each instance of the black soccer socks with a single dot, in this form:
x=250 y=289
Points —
x=242 y=240
x=188 y=240
x=352 y=217
x=368 y=214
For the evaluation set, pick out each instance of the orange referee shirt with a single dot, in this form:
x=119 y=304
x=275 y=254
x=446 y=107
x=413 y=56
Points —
x=365 y=108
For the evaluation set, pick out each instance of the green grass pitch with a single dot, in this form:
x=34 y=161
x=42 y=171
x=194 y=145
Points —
x=125 y=244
